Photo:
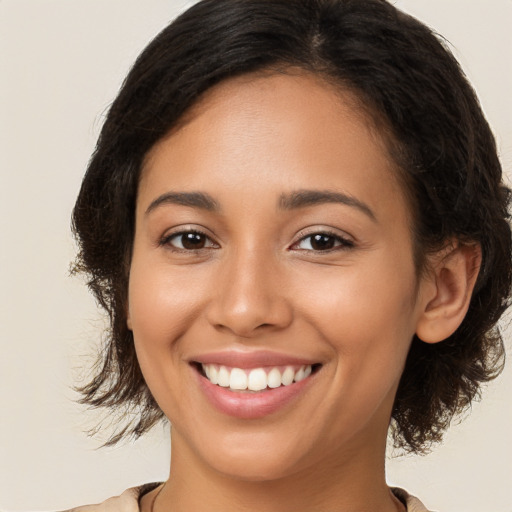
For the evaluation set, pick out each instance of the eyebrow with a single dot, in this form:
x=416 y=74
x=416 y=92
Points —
x=304 y=198
x=193 y=199
x=293 y=200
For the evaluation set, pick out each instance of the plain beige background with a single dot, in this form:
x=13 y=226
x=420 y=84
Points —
x=61 y=63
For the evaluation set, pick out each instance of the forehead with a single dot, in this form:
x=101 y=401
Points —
x=263 y=91
x=285 y=129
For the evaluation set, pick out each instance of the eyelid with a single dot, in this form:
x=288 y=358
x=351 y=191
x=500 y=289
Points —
x=346 y=241
x=165 y=239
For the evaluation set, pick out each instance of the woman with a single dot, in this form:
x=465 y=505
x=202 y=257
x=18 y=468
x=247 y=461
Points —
x=296 y=221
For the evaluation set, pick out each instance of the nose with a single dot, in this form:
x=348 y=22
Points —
x=250 y=296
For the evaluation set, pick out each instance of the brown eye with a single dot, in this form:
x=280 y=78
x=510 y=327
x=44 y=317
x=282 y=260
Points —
x=188 y=241
x=193 y=241
x=323 y=242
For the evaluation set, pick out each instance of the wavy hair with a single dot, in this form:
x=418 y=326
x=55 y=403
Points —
x=444 y=151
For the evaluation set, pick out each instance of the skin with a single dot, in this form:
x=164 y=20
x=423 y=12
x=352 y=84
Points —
x=258 y=283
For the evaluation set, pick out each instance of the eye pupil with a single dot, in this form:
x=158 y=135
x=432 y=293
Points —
x=193 y=240
x=321 y=242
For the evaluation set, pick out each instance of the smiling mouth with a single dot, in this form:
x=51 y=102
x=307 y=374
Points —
x=255 y=379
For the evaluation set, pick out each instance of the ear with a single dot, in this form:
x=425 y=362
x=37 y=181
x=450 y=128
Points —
x=447 y=290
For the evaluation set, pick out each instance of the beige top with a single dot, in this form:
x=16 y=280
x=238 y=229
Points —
x=129 y=501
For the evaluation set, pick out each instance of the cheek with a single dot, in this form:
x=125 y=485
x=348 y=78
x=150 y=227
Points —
x=366 y=315
x=161 y=309
x=161 y=304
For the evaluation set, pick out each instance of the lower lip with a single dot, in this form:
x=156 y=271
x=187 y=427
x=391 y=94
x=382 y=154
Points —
x=247 y=405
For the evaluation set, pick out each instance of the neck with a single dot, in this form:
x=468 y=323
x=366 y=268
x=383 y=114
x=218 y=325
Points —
x=352 y=482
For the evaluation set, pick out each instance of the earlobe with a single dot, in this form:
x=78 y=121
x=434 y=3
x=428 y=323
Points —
x=450 y=286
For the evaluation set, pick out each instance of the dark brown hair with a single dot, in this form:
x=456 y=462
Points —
x=443 y=148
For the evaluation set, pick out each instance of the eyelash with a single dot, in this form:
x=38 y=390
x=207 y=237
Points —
x=343 y=243
x=166 y=240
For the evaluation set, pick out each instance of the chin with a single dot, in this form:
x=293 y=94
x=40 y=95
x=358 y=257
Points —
x=252 y=457
x=255 y=469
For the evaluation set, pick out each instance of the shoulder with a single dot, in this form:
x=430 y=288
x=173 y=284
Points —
x=413 y=504
x=128 y=501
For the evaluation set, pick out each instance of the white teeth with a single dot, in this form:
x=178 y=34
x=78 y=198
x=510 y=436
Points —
x=214 y=374
x=274 y=378
x=300 y=375
x=223 y=377
x=238 y=379
x=256 y=379
x=287 y=377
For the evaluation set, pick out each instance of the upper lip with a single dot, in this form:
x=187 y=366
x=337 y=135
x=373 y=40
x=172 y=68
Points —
x=254 y=359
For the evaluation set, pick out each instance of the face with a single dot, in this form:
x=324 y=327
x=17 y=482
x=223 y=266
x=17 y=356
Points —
x=272 y=291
